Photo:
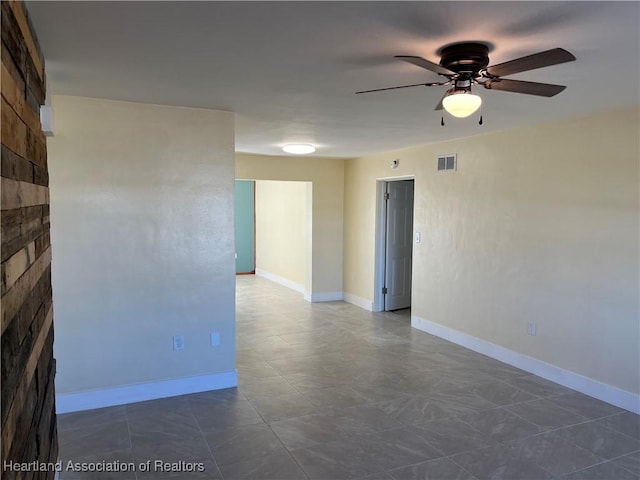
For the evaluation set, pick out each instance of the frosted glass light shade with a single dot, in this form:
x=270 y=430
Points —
x=461 y=104
x=299 y=148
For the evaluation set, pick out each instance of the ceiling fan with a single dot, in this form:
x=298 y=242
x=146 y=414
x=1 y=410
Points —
x=465 y=64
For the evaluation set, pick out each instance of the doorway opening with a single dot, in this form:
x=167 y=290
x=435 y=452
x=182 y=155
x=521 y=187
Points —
x=275 y=242
x=394 y=244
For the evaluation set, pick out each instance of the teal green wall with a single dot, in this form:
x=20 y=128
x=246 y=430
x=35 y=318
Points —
x=245 y=226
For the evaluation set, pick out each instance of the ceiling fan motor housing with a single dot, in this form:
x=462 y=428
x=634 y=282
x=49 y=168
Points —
x=467 y=58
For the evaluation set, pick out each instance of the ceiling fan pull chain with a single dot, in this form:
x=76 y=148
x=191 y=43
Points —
x=442 y=120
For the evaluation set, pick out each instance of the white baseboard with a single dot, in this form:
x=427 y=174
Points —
x=281 y=280
x=359 y=301
x=588 y=386
x=323 y=296
x=308 y=296
x=75 y=402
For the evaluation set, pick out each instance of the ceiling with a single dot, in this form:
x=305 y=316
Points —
x=289 y=70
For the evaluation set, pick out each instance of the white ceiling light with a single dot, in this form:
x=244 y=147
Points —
x=461 y=102
x=299 y=148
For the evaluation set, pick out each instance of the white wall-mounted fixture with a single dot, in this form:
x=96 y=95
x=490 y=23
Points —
x=46 y=120
x=178 y=342
x=299 y=148
x=394 y=163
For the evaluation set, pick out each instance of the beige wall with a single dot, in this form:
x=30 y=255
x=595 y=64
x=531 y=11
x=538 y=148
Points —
x=327 y=178
x=143 y=244
x=281 y=229
x=537 y=225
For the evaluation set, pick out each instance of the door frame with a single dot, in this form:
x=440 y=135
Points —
x=380 y=244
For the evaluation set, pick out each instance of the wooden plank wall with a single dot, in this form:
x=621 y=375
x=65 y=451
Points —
x=27 y=368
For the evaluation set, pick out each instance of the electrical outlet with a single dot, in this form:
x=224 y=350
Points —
x=532 y=328
x=178 y=342
x=215 y=339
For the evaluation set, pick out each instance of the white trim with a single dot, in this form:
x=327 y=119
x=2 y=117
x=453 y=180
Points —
x=298 y=287
x=379 y=254
x=74 y=402
x=323 y=297
x=396 y=178
x=359 y=301
x=607 y=393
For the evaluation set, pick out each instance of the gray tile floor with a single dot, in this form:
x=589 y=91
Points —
x=330 y=391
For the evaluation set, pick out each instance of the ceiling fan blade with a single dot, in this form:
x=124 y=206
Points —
x=519 y=86
x=423 y=63
x=401 y=86
x=531 y=62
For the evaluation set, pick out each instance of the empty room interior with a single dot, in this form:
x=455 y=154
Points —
x=320 y=240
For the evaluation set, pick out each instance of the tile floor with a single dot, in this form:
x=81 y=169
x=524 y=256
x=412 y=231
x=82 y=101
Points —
x=330 y=391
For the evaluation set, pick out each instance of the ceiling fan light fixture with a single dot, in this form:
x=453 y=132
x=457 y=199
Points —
x=299 y=148
x=461 y=103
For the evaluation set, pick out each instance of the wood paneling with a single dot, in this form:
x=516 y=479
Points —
x=13 y=299
x=27 y=371
x=17 y=194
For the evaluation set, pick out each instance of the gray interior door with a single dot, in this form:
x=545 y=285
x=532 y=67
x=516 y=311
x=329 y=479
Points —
x=245 y=226
x=399 y=245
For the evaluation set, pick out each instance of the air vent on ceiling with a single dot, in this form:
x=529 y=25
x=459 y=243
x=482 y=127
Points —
x=447 y=162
